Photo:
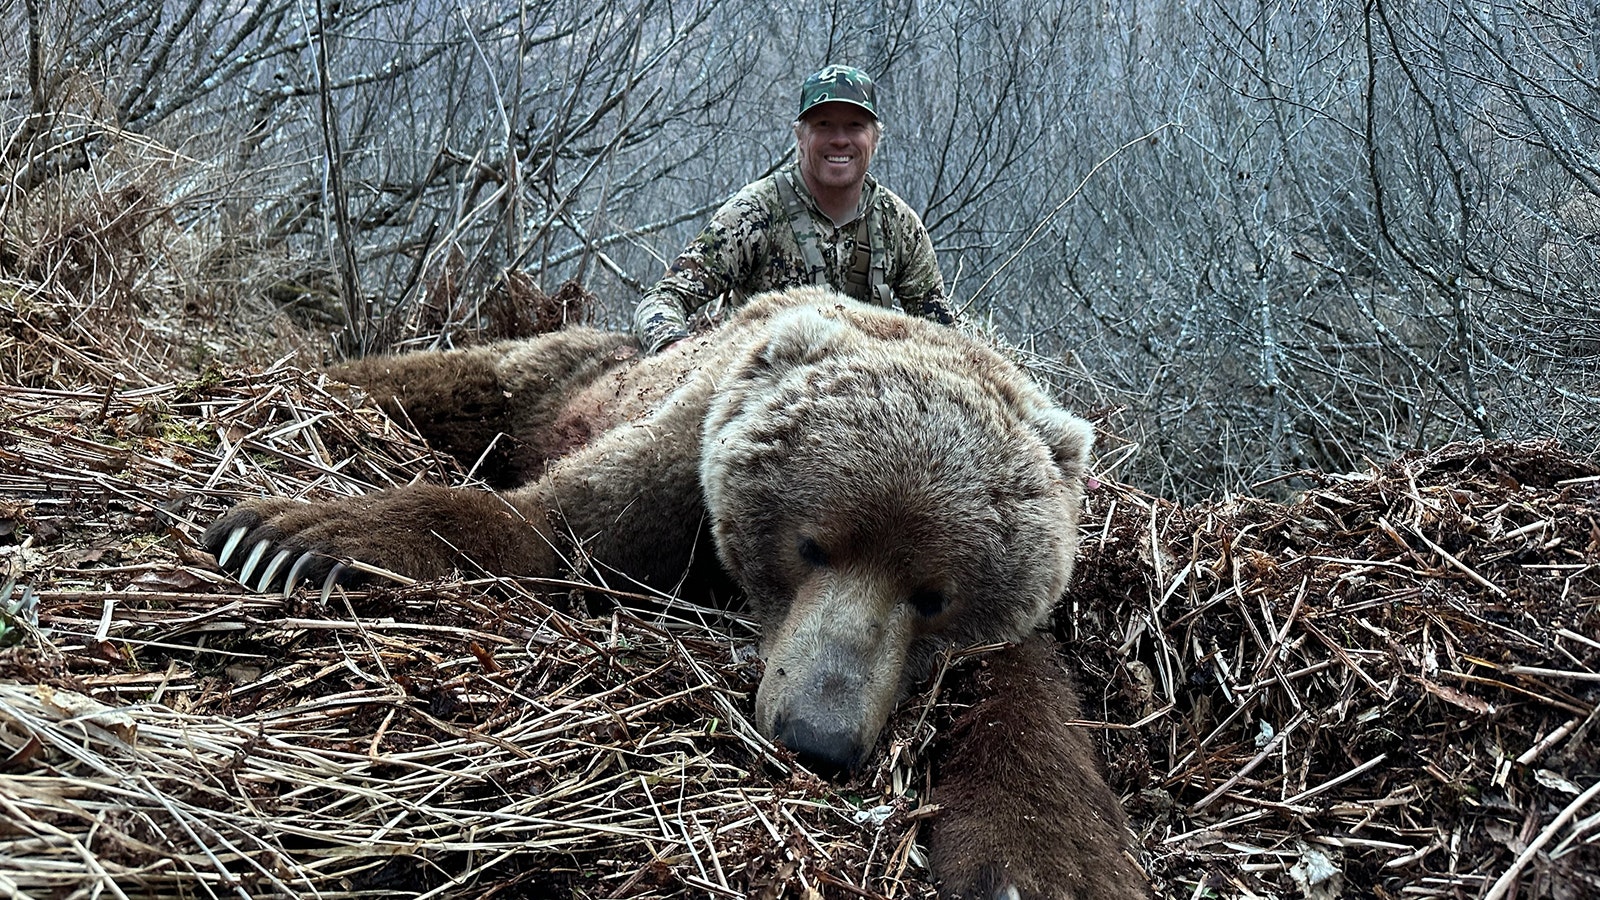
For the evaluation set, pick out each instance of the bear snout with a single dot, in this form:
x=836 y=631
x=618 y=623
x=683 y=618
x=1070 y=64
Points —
x=831 y=677
x=827 y=708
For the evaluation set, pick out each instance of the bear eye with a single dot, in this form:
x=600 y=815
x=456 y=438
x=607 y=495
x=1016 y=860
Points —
x=813 y=554
x=929 y=602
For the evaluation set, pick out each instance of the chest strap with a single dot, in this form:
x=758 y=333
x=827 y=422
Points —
x=805 y=231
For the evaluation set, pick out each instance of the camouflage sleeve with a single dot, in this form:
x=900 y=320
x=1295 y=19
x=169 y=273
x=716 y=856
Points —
x=722 y=257
x=918 y=286
x=660 y=318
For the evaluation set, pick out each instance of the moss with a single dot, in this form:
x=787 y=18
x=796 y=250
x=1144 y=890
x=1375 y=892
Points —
x=186 y=432
x=211 y=378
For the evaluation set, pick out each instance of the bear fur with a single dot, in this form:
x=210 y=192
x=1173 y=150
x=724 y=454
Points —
x=879 y=488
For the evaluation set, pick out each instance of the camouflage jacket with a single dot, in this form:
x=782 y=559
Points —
x=752 y=245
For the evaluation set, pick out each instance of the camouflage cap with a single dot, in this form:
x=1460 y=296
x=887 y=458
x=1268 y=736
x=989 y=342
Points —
x=846 y=84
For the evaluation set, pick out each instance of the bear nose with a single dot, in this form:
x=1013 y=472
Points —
x=824 y=749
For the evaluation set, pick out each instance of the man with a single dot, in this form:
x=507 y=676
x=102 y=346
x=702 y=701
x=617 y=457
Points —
x=823 y=220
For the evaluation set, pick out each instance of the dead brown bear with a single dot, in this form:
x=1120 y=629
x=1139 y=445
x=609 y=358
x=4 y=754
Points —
x=880 y=488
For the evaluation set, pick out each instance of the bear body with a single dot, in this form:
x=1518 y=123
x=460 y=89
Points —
x=879 y=488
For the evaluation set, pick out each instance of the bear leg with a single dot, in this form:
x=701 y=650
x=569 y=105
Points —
x=1025 y=813
x=492 y=408
x=419 y=531
x=628 y=506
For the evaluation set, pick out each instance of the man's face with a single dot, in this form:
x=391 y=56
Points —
x=836 y=142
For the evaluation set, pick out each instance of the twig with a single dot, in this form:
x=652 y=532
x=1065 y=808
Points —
x=1502 y=885
x=1028 y=241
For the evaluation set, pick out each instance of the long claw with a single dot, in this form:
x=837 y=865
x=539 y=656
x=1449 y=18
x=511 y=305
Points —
x=294 y=573
x=234 y=537
x=253 y=560
x=327 y=585
x=271 y=570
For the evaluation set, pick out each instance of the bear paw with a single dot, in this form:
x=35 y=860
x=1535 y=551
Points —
x=1025 y=812
x=987 y=883
x=1016 y=880
x=416 y=532
x=270 y=544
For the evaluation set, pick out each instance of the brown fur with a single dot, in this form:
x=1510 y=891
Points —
x=1013 y=744
x=881 y=488
x=497 y=411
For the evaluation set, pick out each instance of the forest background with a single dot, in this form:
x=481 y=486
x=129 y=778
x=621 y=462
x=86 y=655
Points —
x=1248 y=237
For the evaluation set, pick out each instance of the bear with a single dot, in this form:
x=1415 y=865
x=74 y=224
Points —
x=880 y=490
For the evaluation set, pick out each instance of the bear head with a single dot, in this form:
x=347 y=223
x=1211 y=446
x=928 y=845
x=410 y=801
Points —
x=882 y=488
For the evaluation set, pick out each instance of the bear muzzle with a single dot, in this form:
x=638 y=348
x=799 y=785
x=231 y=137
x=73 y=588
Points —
x=831 y=683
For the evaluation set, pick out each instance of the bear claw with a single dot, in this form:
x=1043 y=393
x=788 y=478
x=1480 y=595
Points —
x=272 y=569
x=294 y=573
x=332 y=579
x=268 y=576
x=257 y=562
x=234 y=537
x=253 y=560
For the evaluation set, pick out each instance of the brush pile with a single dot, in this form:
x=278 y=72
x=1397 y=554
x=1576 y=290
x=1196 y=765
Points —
x=1387 y=687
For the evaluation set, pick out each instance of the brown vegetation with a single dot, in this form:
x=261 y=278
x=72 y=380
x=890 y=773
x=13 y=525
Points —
x=1395 y=676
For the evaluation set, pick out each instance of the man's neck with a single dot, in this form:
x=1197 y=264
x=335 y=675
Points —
x=838 y=204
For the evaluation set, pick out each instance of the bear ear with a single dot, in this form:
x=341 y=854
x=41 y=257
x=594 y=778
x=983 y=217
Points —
x=798 y=337
x=1069 y=439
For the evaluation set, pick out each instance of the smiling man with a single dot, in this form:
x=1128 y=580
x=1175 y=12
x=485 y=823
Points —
x=822 y=220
